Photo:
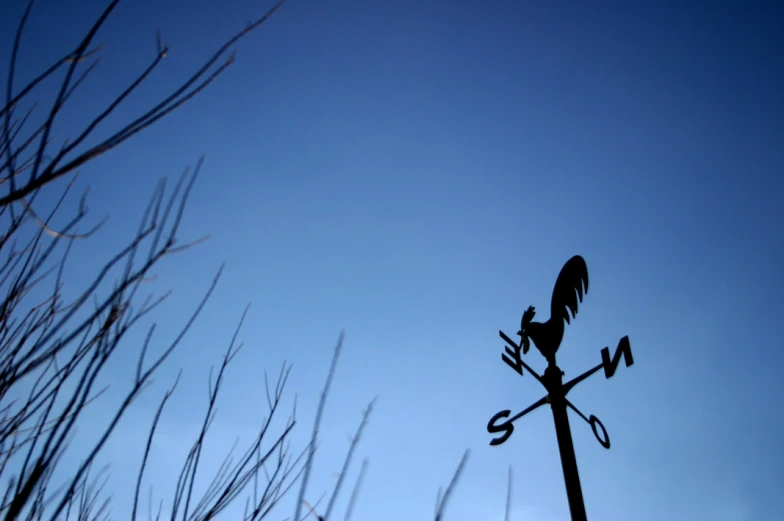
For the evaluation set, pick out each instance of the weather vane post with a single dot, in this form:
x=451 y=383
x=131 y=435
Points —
x=570 y=285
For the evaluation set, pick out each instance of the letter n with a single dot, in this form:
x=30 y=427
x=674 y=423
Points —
x=624 y=350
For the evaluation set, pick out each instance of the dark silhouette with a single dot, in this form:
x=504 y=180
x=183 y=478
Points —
x=568 y=291
x=570 y=285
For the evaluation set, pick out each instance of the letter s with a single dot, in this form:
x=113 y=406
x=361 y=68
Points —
x=505 y=426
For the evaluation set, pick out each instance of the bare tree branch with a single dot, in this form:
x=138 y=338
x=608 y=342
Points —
x=443 y=501
x=53 y=349
x=355 y=492
x=195 y=84
x=316 y=425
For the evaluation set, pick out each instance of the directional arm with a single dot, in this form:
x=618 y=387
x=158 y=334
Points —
x=576 y=380
x=594 y=422
x=623 y=351
x=536 y=405
x=507 y=426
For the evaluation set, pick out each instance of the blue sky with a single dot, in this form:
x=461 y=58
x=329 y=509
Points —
x=416 y=174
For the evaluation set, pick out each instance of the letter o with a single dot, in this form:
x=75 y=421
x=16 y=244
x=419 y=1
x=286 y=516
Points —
x=604 y=439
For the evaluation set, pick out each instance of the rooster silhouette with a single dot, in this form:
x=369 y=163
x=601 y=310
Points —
x=568 y=291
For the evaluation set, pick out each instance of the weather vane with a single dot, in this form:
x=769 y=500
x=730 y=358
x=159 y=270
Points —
x=570 y=285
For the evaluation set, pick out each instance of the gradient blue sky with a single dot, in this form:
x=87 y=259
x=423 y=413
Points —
x=416 y=173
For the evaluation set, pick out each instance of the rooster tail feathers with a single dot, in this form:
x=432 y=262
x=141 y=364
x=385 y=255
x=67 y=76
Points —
x=568 y=289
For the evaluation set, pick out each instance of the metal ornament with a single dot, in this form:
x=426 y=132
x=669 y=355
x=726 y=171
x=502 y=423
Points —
x=570 y=286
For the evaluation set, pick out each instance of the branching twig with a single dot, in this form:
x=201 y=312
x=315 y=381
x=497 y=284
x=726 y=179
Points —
x=316 y=425
x=53 y=350
x=450 y=488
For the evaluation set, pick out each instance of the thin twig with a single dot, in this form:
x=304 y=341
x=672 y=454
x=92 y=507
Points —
x=316 y=425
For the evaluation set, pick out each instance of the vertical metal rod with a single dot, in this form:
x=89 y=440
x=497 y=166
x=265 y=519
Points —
x=574 y=492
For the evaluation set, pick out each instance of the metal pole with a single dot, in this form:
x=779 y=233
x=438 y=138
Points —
x=574 y=492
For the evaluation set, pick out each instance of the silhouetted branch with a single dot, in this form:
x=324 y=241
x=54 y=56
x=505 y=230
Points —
x=508 y=495
x=316 y=425
x=347 y=461
x=230 y=480
x=443 y=500
x=155 y=421
x=52 y=348
x=195 y=84
x=355 y=491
